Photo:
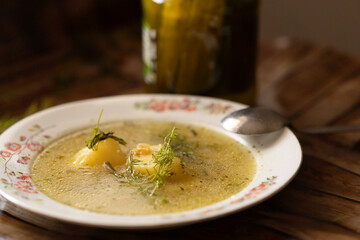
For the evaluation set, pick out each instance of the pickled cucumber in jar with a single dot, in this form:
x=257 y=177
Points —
x=200 y=47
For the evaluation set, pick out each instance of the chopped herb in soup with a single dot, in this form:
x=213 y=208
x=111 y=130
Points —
x=143 y=167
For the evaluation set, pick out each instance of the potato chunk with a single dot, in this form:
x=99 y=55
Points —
x=108 y=150
x=144 y=162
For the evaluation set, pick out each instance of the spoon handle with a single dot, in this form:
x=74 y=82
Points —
x=329 y=129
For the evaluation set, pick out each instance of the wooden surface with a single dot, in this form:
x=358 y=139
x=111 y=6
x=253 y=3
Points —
x=311 y=85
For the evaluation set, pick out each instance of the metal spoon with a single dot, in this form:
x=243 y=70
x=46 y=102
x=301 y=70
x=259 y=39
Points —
x=259 y=120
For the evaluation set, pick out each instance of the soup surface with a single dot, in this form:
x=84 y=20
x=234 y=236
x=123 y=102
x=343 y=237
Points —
x=214 y=167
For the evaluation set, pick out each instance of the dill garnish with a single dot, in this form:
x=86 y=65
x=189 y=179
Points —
x=100 y=136
x=149 y=183
x=112 y=170
x=163 y=160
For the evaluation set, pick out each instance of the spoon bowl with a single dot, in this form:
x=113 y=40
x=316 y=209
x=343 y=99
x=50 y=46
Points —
x=260 y=120
x=253 y=121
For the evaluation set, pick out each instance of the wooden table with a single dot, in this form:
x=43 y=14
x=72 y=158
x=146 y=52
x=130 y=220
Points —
x=311 y=85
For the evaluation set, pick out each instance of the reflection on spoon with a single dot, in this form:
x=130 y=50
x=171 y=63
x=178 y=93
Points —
x=260 y=120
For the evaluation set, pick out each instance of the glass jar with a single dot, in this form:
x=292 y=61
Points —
x=201 y=47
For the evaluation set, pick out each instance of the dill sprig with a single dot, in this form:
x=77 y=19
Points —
x=112 y=170
x=126 y=177
x=163 y=162
x=99 y=136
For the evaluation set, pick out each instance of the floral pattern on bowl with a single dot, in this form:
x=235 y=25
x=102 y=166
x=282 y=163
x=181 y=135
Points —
x=16 y=177
x=184 y=104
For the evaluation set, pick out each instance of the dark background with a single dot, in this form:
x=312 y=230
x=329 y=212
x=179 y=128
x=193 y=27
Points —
x=40 y=26
x=48 y=46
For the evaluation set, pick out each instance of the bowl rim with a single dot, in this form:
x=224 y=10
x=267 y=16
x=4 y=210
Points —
x=147 y=221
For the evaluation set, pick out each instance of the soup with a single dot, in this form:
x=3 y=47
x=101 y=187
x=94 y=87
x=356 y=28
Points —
x=212 y=168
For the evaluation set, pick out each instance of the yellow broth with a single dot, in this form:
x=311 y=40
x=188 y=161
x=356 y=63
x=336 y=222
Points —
x=215 y=167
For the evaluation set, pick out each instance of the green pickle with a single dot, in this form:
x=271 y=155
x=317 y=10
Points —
x=203 y=47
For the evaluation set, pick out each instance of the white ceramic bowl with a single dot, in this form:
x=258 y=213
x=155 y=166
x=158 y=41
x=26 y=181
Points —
x=278 y=155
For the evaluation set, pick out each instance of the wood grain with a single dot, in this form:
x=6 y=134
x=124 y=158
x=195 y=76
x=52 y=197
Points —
x=306 y=228
x=341 y=98
x=319 y=205
x=348 y=140
x=312 y=85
